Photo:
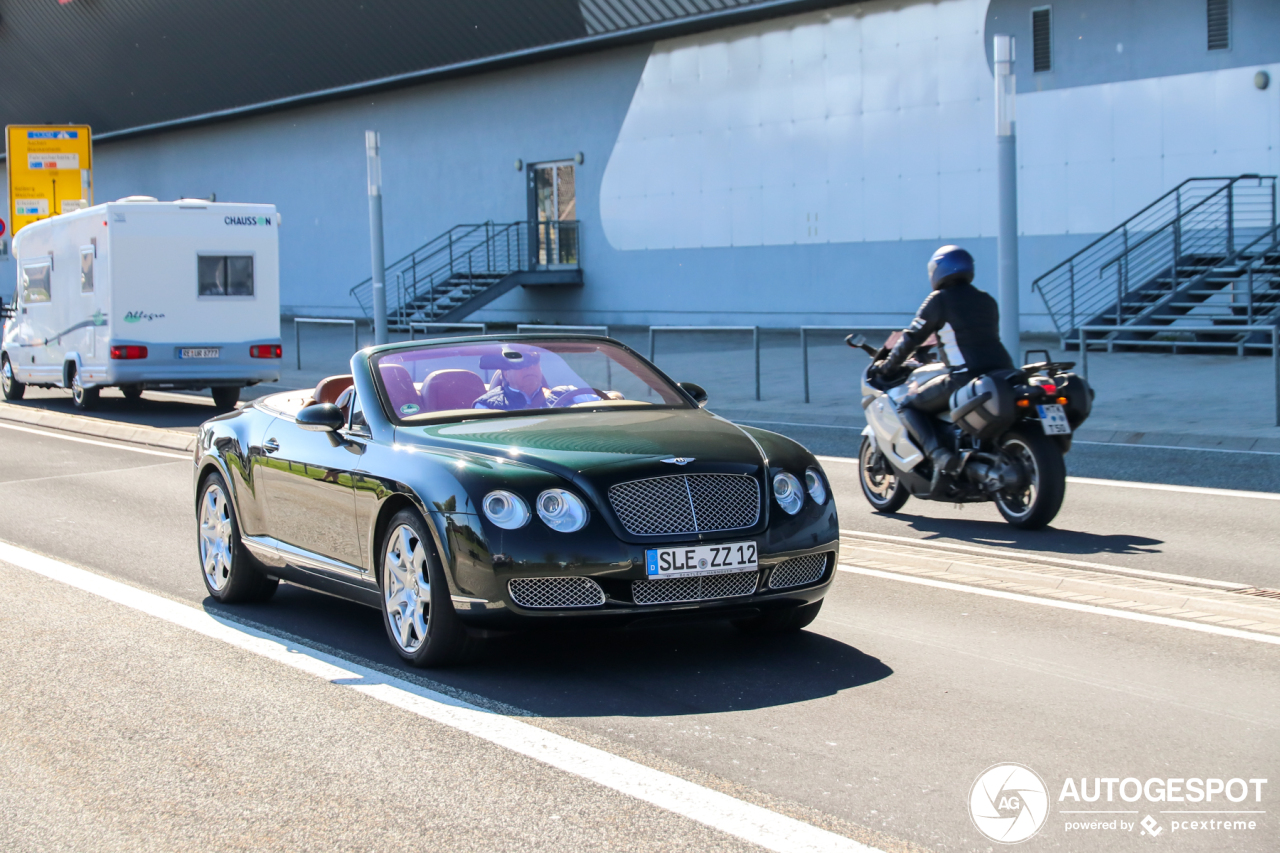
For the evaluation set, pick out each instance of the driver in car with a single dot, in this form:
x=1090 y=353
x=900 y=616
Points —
x=523 y=386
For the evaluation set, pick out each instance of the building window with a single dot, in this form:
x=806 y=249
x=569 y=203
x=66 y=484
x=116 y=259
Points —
x=226 y=275
x=1219 y=24
x=1042 y=39
x=86 y=269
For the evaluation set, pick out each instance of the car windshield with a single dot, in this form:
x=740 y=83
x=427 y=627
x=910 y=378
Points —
x=445 y=381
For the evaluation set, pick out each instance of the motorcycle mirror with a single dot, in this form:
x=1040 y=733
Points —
x=856 y=341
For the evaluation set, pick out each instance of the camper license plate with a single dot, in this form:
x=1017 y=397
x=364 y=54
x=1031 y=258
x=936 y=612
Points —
x=1054 y=420
x=700 y=560
x=199 y=352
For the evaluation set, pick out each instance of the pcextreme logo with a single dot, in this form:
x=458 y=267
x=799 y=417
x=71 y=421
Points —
x=247 y=220
x=138 y=316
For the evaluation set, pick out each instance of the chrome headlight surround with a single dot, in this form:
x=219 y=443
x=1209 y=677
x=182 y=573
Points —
x=506 y=509
x=788 y=492
x=562 y=511
x=815 y=485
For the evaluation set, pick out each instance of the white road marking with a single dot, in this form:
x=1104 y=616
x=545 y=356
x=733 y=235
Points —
x=949 y=548
x=1125 y=484
x=743 y=820
x=1202 y=627
x=112 y=445
x=1176 y=447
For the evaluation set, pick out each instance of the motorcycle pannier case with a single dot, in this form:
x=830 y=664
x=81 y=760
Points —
x=985 y=407
x=1079 y=397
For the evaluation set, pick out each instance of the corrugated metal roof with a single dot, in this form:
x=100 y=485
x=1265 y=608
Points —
x=127 y=66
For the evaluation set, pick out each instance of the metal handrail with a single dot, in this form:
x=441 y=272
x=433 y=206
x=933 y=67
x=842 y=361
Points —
x=536 y=328
x=1274 y=331
x=322 y=321
x=804 y=343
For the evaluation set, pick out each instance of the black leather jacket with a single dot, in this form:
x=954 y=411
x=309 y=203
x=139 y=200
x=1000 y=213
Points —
x=967 y=322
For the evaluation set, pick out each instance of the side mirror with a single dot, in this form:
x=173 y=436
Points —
x=856 y=341
x=321 y=417
x=697 y=392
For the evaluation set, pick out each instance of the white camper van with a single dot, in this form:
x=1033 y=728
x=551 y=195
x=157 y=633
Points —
x=140 y=293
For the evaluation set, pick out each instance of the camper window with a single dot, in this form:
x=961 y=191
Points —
x=86 y=269
x=226 y=275
x=35 y=282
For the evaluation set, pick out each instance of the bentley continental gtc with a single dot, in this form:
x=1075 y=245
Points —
x=473 y=486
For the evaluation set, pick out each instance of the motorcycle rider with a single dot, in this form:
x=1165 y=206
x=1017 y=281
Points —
x=967 y=323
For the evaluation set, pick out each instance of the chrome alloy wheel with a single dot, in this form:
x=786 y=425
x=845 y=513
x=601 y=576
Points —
x=1019 y=501
x=215 y=537
x=406 y=588
x=877 y=477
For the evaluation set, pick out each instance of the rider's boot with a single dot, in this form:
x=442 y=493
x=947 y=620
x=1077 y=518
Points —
x=921 y=427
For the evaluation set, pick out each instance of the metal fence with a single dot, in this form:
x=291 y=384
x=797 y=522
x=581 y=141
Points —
x=321 y=321
x=483 y=327
x=537 y=328
x=804 y=344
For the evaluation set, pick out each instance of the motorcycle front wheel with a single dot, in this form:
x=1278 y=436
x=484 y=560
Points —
x=881 y=487
x=1033 y=503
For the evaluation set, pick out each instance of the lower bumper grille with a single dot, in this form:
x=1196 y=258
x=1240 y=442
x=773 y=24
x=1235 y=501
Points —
x=694 y=589
x=799 y=572
x=556 y=592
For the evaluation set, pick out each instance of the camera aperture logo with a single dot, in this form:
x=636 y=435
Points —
x=1009 y=803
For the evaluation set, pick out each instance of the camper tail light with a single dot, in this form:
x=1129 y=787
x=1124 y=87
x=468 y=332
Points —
x=124 y=353
x=265 y=351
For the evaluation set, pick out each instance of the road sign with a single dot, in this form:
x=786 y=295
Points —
x=50 y=171
x=1 y=227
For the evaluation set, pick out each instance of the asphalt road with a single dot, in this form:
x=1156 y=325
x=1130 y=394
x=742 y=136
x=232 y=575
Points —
x=134 y=734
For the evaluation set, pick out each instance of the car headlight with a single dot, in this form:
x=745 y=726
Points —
x=817 y=488
x=506 y=509
x=561 y=510
x=787 y=492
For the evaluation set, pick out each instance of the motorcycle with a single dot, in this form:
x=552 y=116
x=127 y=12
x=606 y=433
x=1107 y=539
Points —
x=1010 y=430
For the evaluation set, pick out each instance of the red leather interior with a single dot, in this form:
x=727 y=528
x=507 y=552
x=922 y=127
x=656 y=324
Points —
x=331 y=387
x=451 y=389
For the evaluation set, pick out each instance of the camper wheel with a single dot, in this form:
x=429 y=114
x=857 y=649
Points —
x=225 y=398
x=131 y=392
x=84 y=398
x=13 y=389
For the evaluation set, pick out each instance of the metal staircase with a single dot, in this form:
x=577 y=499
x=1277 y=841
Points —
x=469 y=266
x=1206 y=253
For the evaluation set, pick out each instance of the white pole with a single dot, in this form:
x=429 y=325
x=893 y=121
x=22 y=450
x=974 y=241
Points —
x=1007 y=171
x=375 y=237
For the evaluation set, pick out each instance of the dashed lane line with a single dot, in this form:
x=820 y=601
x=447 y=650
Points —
x=1065 y=605
x=719 y=811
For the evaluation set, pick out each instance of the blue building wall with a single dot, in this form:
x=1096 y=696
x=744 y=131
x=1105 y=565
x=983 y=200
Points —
x=449 y=150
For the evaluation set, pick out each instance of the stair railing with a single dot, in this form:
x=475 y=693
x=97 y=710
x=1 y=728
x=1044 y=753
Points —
x=1155 y=241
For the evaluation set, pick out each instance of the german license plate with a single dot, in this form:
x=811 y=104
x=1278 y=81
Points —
x=199 y=352
x=1054 y=420
x=695 y=560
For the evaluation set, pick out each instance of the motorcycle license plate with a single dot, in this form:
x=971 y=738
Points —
x=1054 y=420
x=700 y=560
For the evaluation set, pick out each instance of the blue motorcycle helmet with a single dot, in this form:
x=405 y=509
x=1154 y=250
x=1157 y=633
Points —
x=950 y=264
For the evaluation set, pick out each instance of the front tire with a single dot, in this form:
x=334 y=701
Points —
x=880 y=485
x=13 y=389
x=229 y=572
x=1036 y=500
x=84 y=398
x=417 y=610
x=788 y=620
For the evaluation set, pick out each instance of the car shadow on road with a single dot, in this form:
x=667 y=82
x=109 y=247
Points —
x=167 y=412
x=1051 y=540
x=652 y=671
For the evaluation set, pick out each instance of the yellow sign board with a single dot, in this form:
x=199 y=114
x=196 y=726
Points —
x=50 y=171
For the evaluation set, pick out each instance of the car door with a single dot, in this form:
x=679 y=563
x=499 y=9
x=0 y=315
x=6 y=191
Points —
x=310 y=502
x=34 y=316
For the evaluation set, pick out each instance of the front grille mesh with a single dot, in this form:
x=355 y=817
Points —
x=556 y=592
x=798 y=572
x=694 y=589
x=662 y=505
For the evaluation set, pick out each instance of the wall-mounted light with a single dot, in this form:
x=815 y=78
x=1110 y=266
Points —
x=519 y=165
x=1262 y=79
x=578 y=158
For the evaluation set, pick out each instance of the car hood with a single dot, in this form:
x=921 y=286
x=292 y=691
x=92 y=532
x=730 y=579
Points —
x=592 y=441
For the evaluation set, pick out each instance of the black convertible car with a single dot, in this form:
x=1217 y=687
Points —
x=471 y=485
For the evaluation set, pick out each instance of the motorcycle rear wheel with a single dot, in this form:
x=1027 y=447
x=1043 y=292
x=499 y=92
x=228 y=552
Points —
x=880 y=486
x=1033 y=505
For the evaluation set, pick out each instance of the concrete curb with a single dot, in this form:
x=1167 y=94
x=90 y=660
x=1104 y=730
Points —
x=167 y=439
x=1185 y=598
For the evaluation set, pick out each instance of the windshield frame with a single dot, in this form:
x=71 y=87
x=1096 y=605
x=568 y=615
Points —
x=453 y=416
